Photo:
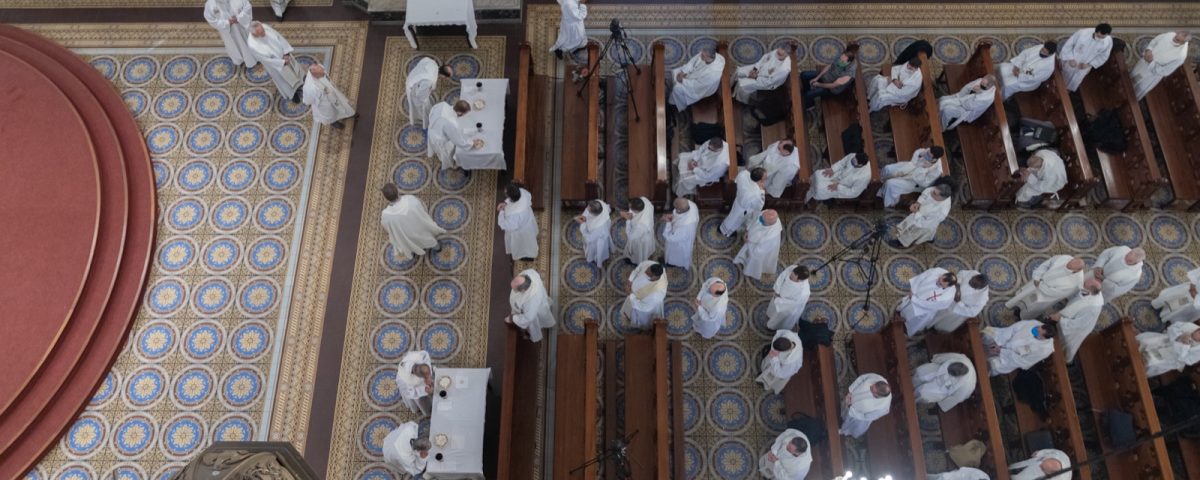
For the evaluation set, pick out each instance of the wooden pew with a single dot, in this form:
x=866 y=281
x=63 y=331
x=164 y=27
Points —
x=529 y=147
x=813 y=392
x=575 y=402
x=518 y=407
x=728 y=122
x=893 y=442
x=986 y=144
x=647 y=139
x=1062 y=420
x=917 y=124
x=1130 y=177
x=976 y=418
x=838 y=112
x=793 y=126
x=1050 y=102
x=1175 y=111
x=646 y=408
x=1188 y=449
x=717 y=109
x=580 y=176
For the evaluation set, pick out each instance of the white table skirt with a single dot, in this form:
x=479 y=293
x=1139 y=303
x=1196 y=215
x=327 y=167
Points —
x=440 y=12
x=460 y=416
x=491 y=156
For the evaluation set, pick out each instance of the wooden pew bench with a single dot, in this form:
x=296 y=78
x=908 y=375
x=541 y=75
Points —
x=917 y=125
x=529 y=149
x=813 y=391
x=894 y=443
x=647 y=380
x=580 y=176
x=839 y=112
x=647 y=138
x=578 y=364
x=793 y=126
x=1050 y=102
x=1062 y=420
x=1175 y=112
x=518 y=406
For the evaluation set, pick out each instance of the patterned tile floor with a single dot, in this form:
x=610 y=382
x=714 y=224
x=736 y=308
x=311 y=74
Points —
x=142 y=4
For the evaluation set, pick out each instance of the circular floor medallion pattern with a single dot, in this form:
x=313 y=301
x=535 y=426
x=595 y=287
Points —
x=733 y=460
x=729 y=411
x=727 y=363
x=1120 y=229
x=989 y=232
x=1034 y=233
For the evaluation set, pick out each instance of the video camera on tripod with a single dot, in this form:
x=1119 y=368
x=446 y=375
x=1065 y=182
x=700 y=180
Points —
x=618 y=452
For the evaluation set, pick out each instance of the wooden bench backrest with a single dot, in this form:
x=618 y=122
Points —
x=661 y=413
x=1062 y=420
x=579 y=179
x=647 y=169
x=1050 y=102
x=507 y=404
x=727 y=122
x=864 y=119
x=1175 y=109
x=894 y=443
x=529 y=148
x=986 y=143
x=662 y=185
x=575 y=401
x=918 y=124
x=813 y=392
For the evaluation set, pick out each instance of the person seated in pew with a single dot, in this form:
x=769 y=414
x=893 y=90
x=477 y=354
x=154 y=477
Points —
x=711 y=305
x=1046 y=174
x=420 y=85
x=1179 y=303
x=929 y=292
x=782 y=161
x=1160 y=58
x=1055 y=279
x=571 y=31
x=515 y=217
x=530 y=304
x=845 y=179
x=1018 y=346
x=645 y=292
x=1041 y=465
x=1026 y=71
x=789 y=457
x=947 y=380
x=414 y=379
x=962 y=473
x=925 y=215
x=972 y=296
x=705 y=165
x=760 y=254
x=405 y=451
x=791 y=296
x=639 y=230
x=679 y=233
x=594 y=226
x=749 y=200
x=1119 y=268
x=445 y=134
x=832 y=80
x=869 y=398
x=767 y=74
x=782 y=359
x=410 y=229
x=895 y=90
x=1078 y=319
x=968 y=104
x=1173 y=350
x=1087 y=48
x=696 y=80
x=914 y=175
x=914 y=50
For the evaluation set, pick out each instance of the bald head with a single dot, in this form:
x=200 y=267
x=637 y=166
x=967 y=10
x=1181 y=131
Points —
x=1135 y=256
x=1050 y=465
x=681 y=205
x=256 y=29
x=770 y=217
x=1092 y=286
x=317 y=70
x=1075 y=265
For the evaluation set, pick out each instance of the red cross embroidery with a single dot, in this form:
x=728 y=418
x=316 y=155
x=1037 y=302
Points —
x=933 y=297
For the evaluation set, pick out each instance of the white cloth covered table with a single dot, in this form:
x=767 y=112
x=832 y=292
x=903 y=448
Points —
x=420 y=13
x=460 y=416
x=491 y=156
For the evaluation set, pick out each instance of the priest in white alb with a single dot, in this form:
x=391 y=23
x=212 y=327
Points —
x=530 y=304
x=912 y=176
x=327 y=104
x=1043 y=464
x=420 y=85
x=947 y=380
x=1180 y=303
x=767 y=74
x=961 y=473
x=928 y=293
x=869 y=398
x=968 y=104
x=594 y=225
x=679 y=233
x=571 y=34
x=1087 y=48
x=781 y=161
x=1055 y=279
x=1160 y=58
x=789 y=457
x=1046 y=174
x=409 y=227
x=924 y=216
x=1119 y=269
x=748 y=202
x=414 y=379
x=444 y=134
x=847 y=178
x=1018 y=346
x=705 y=165
x=639 y=230
x=1028 y=70
x=275 y=53
x=231 y=19
x=644 y=294
x=279 y=7
x=696 y=80
x=791 y=293
x=783 y=360
x=1078 y=318
x=1173 y=350
x=405 y=451
x=711 y=305
x=897 y=89
x=972 y=297
x=515 y=217
x=760 y=253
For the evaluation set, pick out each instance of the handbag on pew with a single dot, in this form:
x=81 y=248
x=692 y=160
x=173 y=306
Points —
x=1119 y=426
x=1028 y=388
x=1039 y=440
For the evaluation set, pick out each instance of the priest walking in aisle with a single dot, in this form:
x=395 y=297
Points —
x=895 y=90
x=1042 y=465
x=571 y=34
x=1026 y=71
x=968 y=104
x=791 y=296
x=279 y=7
x=703 y=166
x=1173 y=350
x=760 y=254
x=328 y=105
x=530 y=304
x=912 y=176
x=645 y=292
x=275 y=53
x=781 y=161
x=1160 y=58
x=409 y=227
x=679 y=233
x=1055 y=279
x=515 y=216
x=1087 y=48
x=783 y=359
x=594 y=225
x=767 y=74
x=845 y=179
x=1018 y=346
x=231 y=19
x=696 y=80
x=929 y=293
x=947 y=380
x=711 y=305
x=1078 y=319
x=925 y=215
x=444 y=134
x=420 y=85
x=869 y=398
x=749 y=200
x=1119 y=268
x=639 y=230
x=1180 y=303
x=789 y=457
x=969 y=302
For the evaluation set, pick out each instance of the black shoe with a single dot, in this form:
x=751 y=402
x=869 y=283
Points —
x=527 y=259
x=338 y=125
x=297 y=96
x=558 y=53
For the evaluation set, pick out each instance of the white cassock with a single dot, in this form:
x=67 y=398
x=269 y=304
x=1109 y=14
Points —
x=270 y=51
x=409 y=227
x=1119 y=277
x=921 y=226
x=778 y=369
x=789 y=301
x=444 y=135
x=970 y=302
x=963 y=473
x=701 y=80
x=786 y=466
x=520 y=227
x=1055 y=283
x=680 y=237
x=1167 y=57
x=596 y=235
x=279 y=6
x=233 y=35
x=1078 y=320
x=864 y=407
x=646 y=302
x=772 y=72
x=710 y=315
x=1032 y=469
x=1032 y=71
x=1019 y=349
x=1177 y=303
x=412 y=387
x=328 y=103
x=571 y=35
x=760 y=254
x=1050 y=178
x=747 y=204
x=419 y=86
x=639 y=234
x=851 y=181
x=398 y=452
x=926 y=299
x=711 y=167
x=883 y=93
x=907 y=177
x=1163 y=352
x=1086 y=51
x=531 y=308
x=966 y=106
x=781 y=170
x=933 y=383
